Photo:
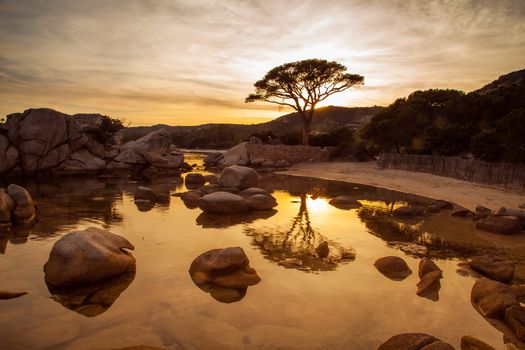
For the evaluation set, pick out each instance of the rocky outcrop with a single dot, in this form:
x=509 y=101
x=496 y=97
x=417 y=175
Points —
x=414 y=341
x=44 y=141
x=88 y=256
x=393 y=267
x=224 y=273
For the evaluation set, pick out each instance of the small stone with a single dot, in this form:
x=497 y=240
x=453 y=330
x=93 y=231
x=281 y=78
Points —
x=429 y=283
x=393 y=267
x=425 y=266
x=345 y=202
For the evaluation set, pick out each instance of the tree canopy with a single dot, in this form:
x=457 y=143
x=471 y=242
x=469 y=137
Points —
x=302 y=85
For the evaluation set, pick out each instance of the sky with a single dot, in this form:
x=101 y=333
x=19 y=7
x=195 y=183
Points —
x=189 y=62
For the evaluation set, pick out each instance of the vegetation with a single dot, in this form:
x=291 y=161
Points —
x=302 y=85
x=106 y=129
x=490 y=124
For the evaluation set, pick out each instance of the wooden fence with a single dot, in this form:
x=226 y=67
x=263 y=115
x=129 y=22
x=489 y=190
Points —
x=507 y=175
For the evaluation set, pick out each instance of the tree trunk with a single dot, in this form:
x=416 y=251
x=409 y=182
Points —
x=306 y=135
x=307 y=120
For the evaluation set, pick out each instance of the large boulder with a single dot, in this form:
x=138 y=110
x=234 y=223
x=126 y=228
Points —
x=345 y=202
x=24 y=207
x=494 y=267
x=156 y=142
x=82 y=162
x=8 y=155
x=237 y=155
x=505 y=225
x=239 y=177
x=88 y=256
x=223 y=202
x=414 y=341
x=393 y=267
x=492 y=298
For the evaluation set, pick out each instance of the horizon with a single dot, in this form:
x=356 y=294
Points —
x=191 y=63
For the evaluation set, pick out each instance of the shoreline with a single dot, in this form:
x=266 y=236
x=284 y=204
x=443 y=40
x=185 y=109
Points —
x=462 y=193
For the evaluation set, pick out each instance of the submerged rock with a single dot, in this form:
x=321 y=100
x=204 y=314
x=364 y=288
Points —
x=24 y=207
x=88 y=256
x=345 y=202
x=240 y=177
x=493 y=267
x=393 y=267
x=414 y=341
x=492 y=298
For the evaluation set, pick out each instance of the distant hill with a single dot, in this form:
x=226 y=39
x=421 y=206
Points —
x=326 y=119
x=507 y=80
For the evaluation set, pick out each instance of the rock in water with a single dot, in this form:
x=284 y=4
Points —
x=493 y=267
x=223 y=202
x=88 y=256
x=25 y=210
x=414 y=341
x=515 y=319
x=261 y=202
x=145 y=193
x=468 y=342
x=393 y=267
x=194 y=180
x=345 y=202
x=240 y=177
x=504 y=225
x=407 y=212
x=425 y=266
x=322 y=250
x=6 y=206
x=492 y=298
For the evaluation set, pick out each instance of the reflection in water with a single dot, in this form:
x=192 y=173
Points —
x=211 y=220
x=93 y=299
x=298 y=246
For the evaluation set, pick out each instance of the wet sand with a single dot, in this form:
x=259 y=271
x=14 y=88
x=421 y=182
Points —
x=463 y=193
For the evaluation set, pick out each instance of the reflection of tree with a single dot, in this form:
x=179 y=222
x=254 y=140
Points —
x=297 y=244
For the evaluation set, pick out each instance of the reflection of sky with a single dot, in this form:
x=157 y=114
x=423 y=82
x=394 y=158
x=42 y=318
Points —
x=190 y=62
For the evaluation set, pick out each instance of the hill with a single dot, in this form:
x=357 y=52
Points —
x=326 y=119
x=507 y=80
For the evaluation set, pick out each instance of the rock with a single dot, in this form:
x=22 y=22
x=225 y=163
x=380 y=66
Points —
x=251 y=191
x=212 y=179
x=492 y=298
x=463 y=213
x=520 y=214
x=345 y=202
x=8 y=155
x=414 y=341
x=505 y=225
x=481 y=212
x=322 y=250
x=194 y=180
x=237 y=155
x=24 y=207
x=6 y=206
x=429 y=283
x=468 y=342
x=145 y=193
x=88 y=256
x=82 y=162
x=426 y=266
x=150 y=172
x=129 y=156
x=407 y=212
x=226 y=268
x=257 y=162
x=519 y=290
x=10 y=295
x=175 y=159
x=432 y=209
x=442 y=205
x=261 y=202
x=254 y=140
x=185 y=167
x=493 y=267
x=212 y=159
x=393 y=267
x=156 y=142
x=238 y=176
x=268 y=163
x=223 y=202
x=515 y=319
x=283 y=163
x=191 y=199
x=291 y=263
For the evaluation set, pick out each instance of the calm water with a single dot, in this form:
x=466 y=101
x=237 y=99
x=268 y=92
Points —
x=335 y=304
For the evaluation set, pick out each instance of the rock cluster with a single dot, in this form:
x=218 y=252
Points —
x=16 y=206
x=224 y=273
x=44 y=141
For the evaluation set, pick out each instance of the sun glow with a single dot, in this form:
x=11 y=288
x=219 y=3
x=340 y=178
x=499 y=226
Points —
x=317 y=205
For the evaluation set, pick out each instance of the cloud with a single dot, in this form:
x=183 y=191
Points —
x=199 y=59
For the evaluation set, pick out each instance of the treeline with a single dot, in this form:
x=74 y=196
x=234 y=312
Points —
x=489 y=124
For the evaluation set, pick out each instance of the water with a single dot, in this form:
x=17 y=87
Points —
x=335 y=304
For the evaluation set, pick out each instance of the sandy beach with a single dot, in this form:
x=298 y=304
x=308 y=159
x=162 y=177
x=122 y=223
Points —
x=463 y=193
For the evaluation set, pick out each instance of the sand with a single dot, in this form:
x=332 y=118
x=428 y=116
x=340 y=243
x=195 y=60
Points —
x=463 y=193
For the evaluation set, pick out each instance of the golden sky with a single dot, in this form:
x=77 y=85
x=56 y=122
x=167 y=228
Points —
x=186 y=62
